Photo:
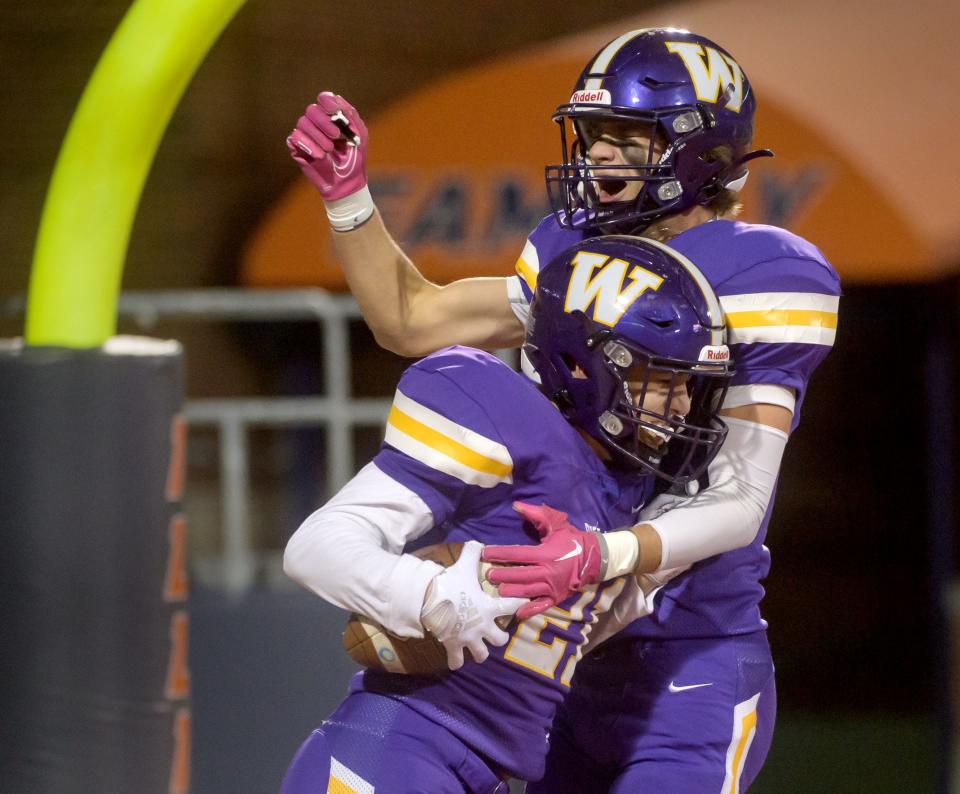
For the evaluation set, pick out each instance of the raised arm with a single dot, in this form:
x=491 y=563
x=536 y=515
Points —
x=408 y=314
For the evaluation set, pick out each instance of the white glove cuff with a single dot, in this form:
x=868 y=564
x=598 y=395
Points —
x=437 y=614
x=408 y=585
x=350 y=211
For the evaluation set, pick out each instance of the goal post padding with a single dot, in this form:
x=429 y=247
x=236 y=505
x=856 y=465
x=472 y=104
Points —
x=93 y=617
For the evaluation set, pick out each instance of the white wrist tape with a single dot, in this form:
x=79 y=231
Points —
x=350 y=211
x=622 y=552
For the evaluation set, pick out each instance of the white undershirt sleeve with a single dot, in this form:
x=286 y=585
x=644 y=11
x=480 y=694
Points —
x=349 y=552
x=518 y=300
x=768 y=393
x=728 y=514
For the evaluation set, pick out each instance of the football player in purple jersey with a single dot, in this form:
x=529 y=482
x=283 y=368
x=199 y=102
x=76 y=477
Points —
x=657 y=140
x=644 y=370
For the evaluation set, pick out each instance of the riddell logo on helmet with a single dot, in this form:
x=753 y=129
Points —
x=714 y=353
x=596 y=97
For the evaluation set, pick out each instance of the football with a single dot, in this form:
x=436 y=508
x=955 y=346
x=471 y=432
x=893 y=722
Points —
x=372 y=646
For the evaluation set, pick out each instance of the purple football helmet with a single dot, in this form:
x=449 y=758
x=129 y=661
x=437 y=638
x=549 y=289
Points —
x=690 y=95
x=614 y=314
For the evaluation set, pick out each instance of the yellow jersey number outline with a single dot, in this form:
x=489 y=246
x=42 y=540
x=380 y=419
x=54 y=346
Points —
x=527 y=650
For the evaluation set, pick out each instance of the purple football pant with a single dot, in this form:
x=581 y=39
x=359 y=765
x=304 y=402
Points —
x=684 y=716
x=373 y=743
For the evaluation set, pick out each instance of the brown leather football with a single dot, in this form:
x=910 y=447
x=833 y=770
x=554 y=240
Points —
x=372 y=646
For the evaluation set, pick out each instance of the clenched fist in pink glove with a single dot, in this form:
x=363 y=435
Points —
x=329 y=144
x=566 y=560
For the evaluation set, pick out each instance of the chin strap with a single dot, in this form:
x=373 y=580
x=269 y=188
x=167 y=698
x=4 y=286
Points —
x=736 y=185
x=753 y=156
x=713 y=189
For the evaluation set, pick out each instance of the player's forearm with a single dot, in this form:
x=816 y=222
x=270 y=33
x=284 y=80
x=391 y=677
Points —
x=680 y=531
x=337 y=556
x=386 y=284
x=410 y=315
x=348 y=551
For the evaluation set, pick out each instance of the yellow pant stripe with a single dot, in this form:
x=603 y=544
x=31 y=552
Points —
x=747 y=725
x=343 y=780
x=335 y=786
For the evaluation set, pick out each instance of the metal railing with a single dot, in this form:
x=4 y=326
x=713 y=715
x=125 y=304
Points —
x=237 y=567
x=338 y=412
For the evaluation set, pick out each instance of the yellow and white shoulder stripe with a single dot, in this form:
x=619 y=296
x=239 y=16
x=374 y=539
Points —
x=779 y=317
x=528 y=265
x=343 y=780
x=446 y=446
x=744 y=729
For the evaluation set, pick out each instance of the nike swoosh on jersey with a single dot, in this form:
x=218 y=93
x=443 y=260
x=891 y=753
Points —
x=674 y=688
x=577 y=548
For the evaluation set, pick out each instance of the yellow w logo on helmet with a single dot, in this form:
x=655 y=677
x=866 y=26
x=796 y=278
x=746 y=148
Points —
x=715 y=76
x=599 y=280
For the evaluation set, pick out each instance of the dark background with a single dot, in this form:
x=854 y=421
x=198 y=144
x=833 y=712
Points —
x=862 y=551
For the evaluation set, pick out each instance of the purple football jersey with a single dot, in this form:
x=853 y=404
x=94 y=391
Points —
x=780 y=298
x=470 y=436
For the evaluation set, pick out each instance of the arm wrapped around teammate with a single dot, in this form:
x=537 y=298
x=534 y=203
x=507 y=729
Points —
x=729 y=513
x=349 y=553
x=724 y=517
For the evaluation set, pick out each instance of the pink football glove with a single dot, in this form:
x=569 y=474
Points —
x=329 y=144
x=566 y=560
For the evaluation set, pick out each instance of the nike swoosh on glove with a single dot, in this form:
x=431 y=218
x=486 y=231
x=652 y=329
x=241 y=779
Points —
x=460 y=614
x=566 y=560
x=329 y=144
